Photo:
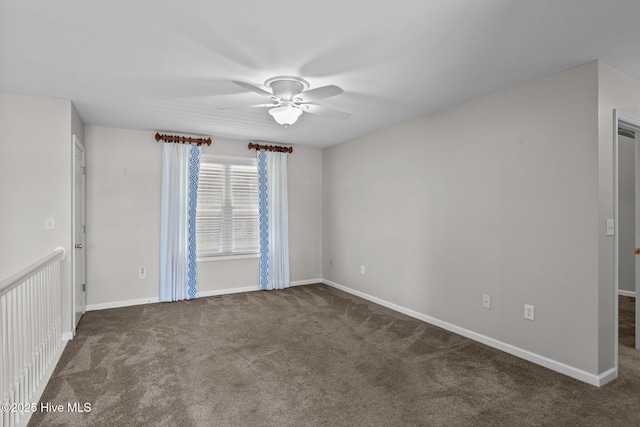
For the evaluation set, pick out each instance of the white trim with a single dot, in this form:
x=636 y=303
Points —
x=628 y=122
x=624 y=293
x=217 y=292
x=118 y=304
x=238 y=160
x=67 y=336
x=26 y=416
x=14 y=280
x=214 y=292
x=253 y=288
x=227 y=257
x=579 y=374
x=225 y=176
x=307 y=282
x=76 y=142
x=616 y=237
x=607 y=376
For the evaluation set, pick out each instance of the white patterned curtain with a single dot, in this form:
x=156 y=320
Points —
x=178 y=275
x=274 y=220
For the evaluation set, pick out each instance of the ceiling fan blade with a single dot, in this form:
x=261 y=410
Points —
x=324 y=111
x=248 y=106
x=253 y=88
x=320 y=93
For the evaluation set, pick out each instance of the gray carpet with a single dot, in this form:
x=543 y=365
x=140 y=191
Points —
x=313 y=356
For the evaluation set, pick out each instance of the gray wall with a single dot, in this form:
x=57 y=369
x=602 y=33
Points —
x=498 y=196
x=35 y=183
x=123 y=221
x=626 y=214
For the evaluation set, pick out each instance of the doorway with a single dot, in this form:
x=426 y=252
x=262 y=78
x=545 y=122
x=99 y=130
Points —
x=79 y=228
x=627 y=232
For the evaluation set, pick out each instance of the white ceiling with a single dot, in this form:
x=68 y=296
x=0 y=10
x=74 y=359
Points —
x=167 y=65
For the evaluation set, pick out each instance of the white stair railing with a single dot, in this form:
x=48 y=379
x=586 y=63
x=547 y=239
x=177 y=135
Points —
x=30 y=335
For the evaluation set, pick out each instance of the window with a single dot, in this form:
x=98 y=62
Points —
x=227 y=210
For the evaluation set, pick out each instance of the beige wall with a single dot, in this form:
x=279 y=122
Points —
x=498 y=196
x=123 y=219
x=35 y=183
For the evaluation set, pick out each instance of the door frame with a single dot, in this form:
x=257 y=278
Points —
x=75 y=225
x=625 y=121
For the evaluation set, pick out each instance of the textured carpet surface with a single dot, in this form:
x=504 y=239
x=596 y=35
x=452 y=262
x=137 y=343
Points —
x=313 y=356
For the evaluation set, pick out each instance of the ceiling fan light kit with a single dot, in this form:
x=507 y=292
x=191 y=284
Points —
x=291 y=97
x=285 y=115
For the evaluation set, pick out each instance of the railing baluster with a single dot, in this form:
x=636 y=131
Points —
x=29 y=338
x=30 y=332
x=4 y=359
x=20 y=344
x=12 y=361
x=40 y=332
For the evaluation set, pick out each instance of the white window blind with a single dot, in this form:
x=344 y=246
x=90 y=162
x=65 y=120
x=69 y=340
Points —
x=227 y=210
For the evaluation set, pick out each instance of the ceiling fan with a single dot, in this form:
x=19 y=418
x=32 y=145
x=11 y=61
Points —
x=290 y=98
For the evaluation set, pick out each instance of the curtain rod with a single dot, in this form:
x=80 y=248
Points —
x=271 y=148
x=183 y=139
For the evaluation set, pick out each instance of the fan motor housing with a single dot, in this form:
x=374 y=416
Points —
x=286 y=87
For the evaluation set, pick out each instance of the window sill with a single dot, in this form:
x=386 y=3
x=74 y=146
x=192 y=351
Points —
x=228 y=257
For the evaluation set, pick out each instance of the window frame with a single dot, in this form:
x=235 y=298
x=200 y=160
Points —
x=226 y=206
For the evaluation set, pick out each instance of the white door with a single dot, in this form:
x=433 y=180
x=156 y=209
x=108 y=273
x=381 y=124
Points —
x=637 y=171
x=78 y=232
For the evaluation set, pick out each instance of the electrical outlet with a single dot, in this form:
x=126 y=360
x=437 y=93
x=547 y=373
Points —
x=362 y=269
x=610 y=227
x=49 y=223
x=143 y=272
x=529 y=312
x=486 y=301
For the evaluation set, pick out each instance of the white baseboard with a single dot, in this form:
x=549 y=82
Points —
x=306 y=282
x=607 y=376
x=626 y=293
x=118 y=304
x=67 y=336
x=215 y=292
x=597 y=380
